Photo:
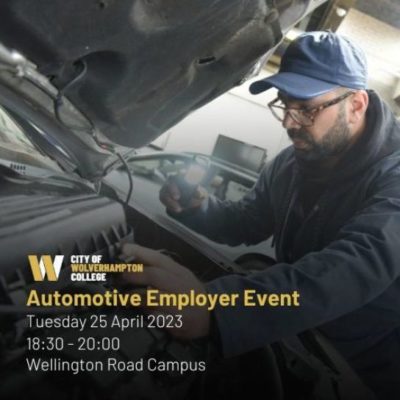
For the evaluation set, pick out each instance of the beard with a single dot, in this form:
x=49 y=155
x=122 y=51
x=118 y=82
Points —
x=333 y=143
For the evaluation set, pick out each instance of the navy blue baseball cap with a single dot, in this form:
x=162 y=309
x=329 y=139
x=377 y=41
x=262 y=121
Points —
x=316 y=63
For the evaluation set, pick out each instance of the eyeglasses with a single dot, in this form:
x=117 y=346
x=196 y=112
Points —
x=304 y=116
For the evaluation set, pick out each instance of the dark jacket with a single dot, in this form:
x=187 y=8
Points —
x=342 y=255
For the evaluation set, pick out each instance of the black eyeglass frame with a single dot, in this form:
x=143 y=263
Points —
x=308 y=112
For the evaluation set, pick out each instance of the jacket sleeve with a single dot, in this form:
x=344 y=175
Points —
x=248 y=221
x=357 y=267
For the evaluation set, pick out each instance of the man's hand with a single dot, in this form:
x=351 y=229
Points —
x=166 y=275
x=170 y=195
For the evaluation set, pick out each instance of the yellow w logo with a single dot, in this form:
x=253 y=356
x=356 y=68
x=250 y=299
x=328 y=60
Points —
x=45 y=267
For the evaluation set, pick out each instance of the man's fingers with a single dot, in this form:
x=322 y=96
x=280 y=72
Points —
x=165 y=276
x=169 y=196
x=151 y=276
x=198 y=197
x=173 y=190
x=195 y=203
x=200 y=193
x=147 y=256
x=154 y=258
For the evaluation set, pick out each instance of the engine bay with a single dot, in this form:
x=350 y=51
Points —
x=44 y=223
x=118 y=352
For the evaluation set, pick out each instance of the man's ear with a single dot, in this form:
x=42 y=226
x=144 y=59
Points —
x=358 y=104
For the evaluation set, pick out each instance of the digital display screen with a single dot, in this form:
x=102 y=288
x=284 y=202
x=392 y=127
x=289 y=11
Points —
x=239 y=153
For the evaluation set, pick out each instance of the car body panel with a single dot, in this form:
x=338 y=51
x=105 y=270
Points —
x=137 y=67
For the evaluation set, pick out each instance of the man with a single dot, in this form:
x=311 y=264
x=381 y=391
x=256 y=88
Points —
x=332 y=203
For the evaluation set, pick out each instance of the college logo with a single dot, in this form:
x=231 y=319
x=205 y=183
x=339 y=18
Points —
x=45 y=267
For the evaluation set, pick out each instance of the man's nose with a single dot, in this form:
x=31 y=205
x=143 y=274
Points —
x=290 y=123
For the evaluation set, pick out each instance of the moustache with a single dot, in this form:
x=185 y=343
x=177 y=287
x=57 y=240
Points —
x=299 y=134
